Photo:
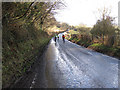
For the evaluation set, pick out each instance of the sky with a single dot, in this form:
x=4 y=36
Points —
x=86 y=11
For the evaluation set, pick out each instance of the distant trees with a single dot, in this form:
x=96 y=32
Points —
x=64 y=26
x=104 y=29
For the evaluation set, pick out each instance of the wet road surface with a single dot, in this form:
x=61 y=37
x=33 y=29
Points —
x=69 y=65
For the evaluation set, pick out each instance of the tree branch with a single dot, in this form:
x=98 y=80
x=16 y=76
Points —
x=25 y=12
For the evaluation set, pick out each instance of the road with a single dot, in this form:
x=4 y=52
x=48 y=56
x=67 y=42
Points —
x=69 y=65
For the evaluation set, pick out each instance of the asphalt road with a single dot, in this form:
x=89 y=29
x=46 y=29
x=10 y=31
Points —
x=69 y=65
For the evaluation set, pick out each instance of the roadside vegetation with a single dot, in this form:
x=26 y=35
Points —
x=103 y=37
x=25 y=35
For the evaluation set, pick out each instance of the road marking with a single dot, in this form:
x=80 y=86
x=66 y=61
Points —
x=33 y=82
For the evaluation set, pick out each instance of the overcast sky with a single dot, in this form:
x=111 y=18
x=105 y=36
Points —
x=85 y=11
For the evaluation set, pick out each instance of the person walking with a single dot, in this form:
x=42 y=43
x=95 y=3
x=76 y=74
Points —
x=63 y=37
x=55 y=38
x=58 y=37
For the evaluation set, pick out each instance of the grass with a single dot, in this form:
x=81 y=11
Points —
x=96 y=45
x=111 y=51
x=103 y=47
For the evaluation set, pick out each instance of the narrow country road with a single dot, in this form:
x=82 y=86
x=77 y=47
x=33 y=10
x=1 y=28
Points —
x=69 y=65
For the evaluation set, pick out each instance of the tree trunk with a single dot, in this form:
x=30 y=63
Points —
x=103 y=38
